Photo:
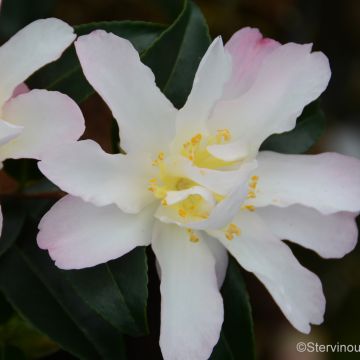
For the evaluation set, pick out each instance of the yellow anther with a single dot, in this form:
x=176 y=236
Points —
x=223 y=134
x=182 y=212
x=251 y=195
x=196 y=139
x=232 y=230
x=192 y=236
x=255 y=178
x=159 y=158
x=249 y=207
x=153 y=180
x=164 y=202
x=253 y=185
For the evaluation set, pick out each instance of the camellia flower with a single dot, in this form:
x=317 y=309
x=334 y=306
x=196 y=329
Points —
x=193 y=183
x=31 y=122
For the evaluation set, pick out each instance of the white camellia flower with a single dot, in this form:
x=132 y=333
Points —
x=32 y=122
x=193 y=183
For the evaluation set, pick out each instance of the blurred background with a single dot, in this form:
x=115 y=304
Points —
x=334 y=28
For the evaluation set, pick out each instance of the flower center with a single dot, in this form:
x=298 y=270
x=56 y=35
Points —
x=187 y=200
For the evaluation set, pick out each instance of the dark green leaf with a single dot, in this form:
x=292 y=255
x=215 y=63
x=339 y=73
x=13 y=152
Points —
x=117 y=291
x=65 y=75
x=11 y=353
x=52 y=305
x=23 y=170
x=176 y=54
x=6 y=311
x=15 y=14
x=13 y=219
x=310 y=126
x=237 y=336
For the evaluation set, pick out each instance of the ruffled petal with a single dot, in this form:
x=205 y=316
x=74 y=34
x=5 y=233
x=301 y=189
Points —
x=248 y=49
x=289 y=78
x=48 y=118
x=36 y=45
x=83 y=169
x=78 y=234
x=328 y=182
x=331 y=236
x=191 y=304
x=112 y=66
x=296 y=290
x=213 y=72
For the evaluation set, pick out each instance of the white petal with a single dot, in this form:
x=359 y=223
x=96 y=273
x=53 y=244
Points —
x=84 y=169
x=78 y=234
x=36 y=45
x=8 y=132
x=191 y=305
x=49 y=118
x=331 y=236
x=296 y=290
x=113 y=68
x=220 y=254
x=290 y=78
x=214 y=70
x=328 y=182
x=248 y=49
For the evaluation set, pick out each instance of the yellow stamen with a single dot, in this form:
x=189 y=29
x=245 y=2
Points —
x=192 y=236
x=196 y=139
x=223 y=134
x=164 y=202
x=251 y=195
x=249 y=207
x=159 y=158
x=182 y=212
x=255 y=178
x=232 y=230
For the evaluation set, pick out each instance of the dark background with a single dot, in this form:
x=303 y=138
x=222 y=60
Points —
x=334 y=28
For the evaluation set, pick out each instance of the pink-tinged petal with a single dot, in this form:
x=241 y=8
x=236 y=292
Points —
x=213 y=72
x=248 y=49
x=36 y=45
x=328 y=182
x=289 y=78
x=83 y=169
x=331 y=236
x=8 y=132
x=191 y=304
x=78 y=234
x=48 y=118
x=20 y=89
x=112 y=66
x=296 y=290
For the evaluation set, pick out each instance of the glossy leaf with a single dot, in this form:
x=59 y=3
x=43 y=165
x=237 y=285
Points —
x=52 y=305
x=237 y=335
x=310 y=126
x=65 y=75
x=176 y=54
x=117 y=291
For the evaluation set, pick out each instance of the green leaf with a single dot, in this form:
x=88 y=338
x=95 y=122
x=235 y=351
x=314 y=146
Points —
x=309 y=128
x=117 y=291
x=176 y=54
x=237 y=335
x=14 y=217
x=11 y=353
x=65 y=75
x=19 y=333
x=15 y=14
x=42 y=294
